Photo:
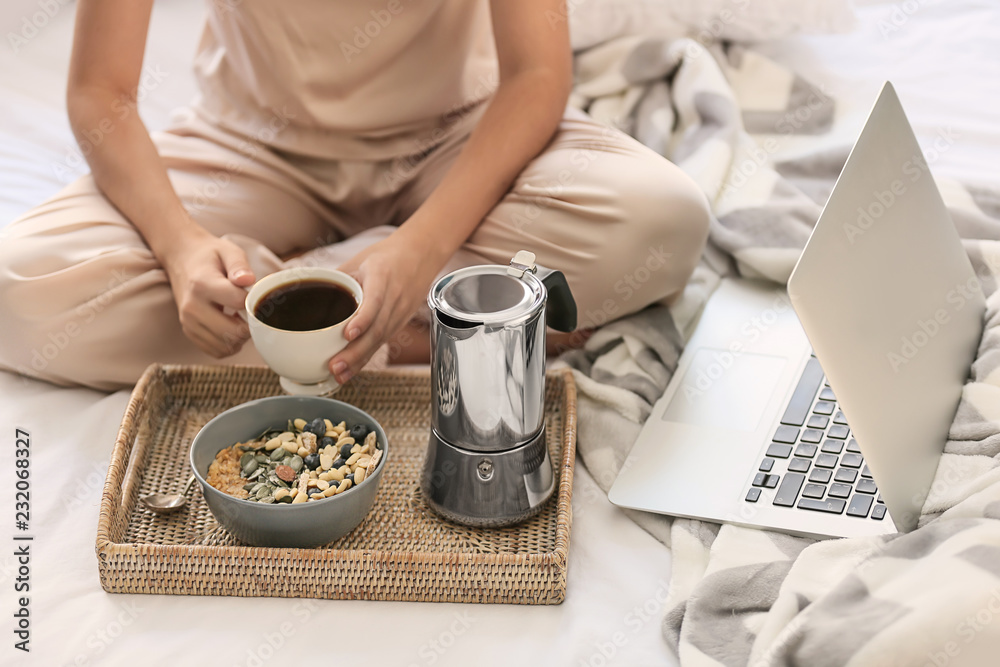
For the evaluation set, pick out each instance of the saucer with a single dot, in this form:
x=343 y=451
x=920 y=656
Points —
x=329 y=386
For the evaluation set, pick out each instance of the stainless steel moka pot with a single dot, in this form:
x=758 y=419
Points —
x=487 y=461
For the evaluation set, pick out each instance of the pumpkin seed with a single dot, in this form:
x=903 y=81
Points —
x=249 y=467
x=264 y=490
x=246 y=458
x=295 y=463
x=261 y=458
x=267 y=499
x=278 y=454
x=249 y=485
x=256 y=473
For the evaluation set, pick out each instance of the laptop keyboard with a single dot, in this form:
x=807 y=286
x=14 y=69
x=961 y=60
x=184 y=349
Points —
x=813 y=463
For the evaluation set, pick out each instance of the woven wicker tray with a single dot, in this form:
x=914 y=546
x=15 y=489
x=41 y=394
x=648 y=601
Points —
x=402 y=551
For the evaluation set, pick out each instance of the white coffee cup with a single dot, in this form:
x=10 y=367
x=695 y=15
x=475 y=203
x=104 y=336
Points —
x=301 y=358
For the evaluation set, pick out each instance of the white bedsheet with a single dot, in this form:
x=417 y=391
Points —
x=617 y=575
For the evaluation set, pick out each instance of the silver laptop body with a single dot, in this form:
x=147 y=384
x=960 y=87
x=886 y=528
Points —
x=893 y=313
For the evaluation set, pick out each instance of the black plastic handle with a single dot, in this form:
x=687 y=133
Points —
x=560 y=308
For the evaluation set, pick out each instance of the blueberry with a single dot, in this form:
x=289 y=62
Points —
x=359 y=432
x=339 y=463
x=345 y=451
x=315 y=492
x=350 y=477
x=326 y=442
x=312 y=461
x=317 y=427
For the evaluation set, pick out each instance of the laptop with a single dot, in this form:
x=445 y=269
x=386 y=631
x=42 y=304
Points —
x=822 y=410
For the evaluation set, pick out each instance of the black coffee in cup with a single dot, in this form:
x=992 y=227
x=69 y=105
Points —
x=305 y=305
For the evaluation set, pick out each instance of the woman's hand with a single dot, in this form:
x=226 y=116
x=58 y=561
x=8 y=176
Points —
x=207 y=274
x=395 y=276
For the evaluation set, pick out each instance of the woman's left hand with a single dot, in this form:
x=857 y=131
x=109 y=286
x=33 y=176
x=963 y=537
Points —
x=394 y=277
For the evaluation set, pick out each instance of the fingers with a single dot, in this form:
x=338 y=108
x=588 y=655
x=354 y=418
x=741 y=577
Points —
x=373 y=287
x=236 y=265
x=220 y=291
x=212 y=331
x=349 y=361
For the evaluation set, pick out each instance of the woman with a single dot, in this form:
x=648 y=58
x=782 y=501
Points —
x=394 y=139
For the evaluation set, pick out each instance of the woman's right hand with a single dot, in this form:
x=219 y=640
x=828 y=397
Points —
x=207 y=274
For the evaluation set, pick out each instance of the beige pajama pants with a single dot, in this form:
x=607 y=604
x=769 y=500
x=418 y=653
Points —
x=84 y=301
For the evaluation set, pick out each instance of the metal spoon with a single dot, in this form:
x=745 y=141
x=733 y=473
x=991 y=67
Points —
x=163 y=503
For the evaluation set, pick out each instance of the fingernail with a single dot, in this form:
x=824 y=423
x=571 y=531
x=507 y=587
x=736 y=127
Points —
x=339 y=368
x=346 y=376
x=352 y=333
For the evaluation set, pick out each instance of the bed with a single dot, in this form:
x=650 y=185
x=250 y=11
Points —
x=941 y=56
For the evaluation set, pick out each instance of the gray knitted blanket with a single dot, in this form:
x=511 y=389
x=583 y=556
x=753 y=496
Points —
x=740 y=596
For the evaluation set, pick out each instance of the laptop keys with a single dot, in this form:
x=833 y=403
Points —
x=823 y=408
x=802 y=397
x=786 y=434
x=826 y=461
x=838 y=431
x=860 y=504
x=812 y=435
x=866 y=486
x=840 y=490
x=769 y=481
x=814 y=491
x=852 y=460
x=833 y=446
x=846 y=475
x=820 y=476
x=833 y=506
x=779 y=451
x=798 y=465
x=818 y=421
x=806 y=450
x=789 y=489
x=808 y=421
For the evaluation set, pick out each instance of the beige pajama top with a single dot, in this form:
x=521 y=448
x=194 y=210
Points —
x=347 y=79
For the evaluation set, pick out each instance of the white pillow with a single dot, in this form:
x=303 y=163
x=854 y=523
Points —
x=595 y=21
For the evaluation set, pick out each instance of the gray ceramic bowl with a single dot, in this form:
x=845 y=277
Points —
x=304 y=525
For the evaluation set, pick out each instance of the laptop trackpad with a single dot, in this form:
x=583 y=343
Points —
x=725 y=390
